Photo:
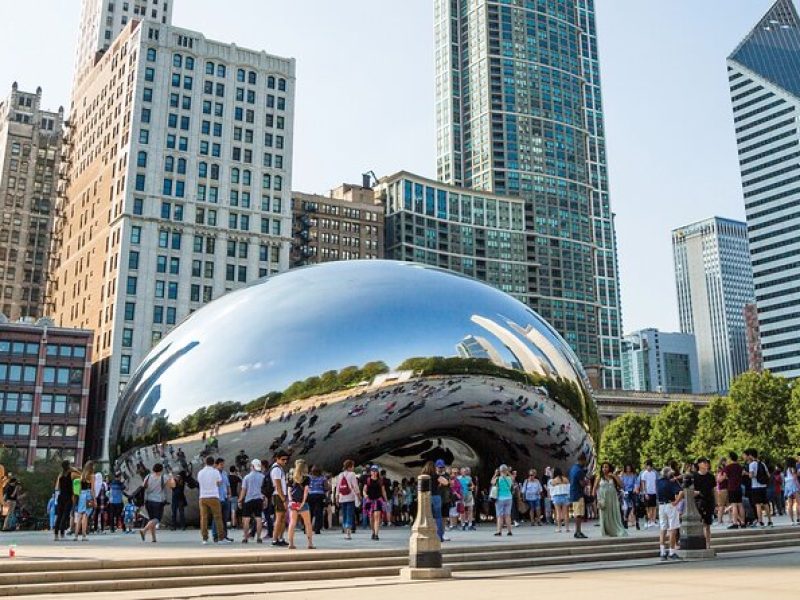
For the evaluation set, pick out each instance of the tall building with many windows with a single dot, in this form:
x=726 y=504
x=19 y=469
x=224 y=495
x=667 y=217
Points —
x=30 y=149
x=655 y=361
x=468 y=231
x=764 y=75
x=715 y=283
x=519 y=113
x=178 y=190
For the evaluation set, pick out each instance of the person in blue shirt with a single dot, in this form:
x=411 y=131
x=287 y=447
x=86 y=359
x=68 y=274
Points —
x=577 y=480
x=224 y=498
x=630 y=487
x=115 y=489
x=669 y=494
x=51 y=509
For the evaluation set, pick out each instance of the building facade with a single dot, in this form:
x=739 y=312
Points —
x=519 y=113
x=755 y=358
x=348 y=224
x=654 y=361
x=30 y=149
x=178 y=190
x=714 y=283
x=764 y=75
x=468 y=231
x=44 y=390
x=103 y=20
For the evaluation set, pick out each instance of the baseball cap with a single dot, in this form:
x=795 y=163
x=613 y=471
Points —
x=256 y=464
x=440 y=463
x=374 y=468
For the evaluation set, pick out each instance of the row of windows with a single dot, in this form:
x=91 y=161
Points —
x=58 y=431
x=15 y=402
x=774 y=209
x=775 y=233
x=766 y=119
x=764 y=131
x=766 y=142
x=771 y=175
x=15 y=430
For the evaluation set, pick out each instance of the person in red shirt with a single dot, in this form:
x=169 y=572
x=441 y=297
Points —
x=733 y=472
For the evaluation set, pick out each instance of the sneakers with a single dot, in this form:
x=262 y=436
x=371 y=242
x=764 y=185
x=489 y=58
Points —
x=664 y=558
x=224 y=541
x=580 y=535
x=259 y=541
x=509 y=533
x=734 y=526
x=279 y=543
x=205 y=542
x=674 y=557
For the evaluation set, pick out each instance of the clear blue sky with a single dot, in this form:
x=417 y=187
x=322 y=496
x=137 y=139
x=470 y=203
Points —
x=365 y=101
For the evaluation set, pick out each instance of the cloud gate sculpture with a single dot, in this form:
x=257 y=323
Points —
x=378 y=361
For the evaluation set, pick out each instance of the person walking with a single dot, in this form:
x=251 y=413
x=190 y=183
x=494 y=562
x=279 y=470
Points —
x=345 y=496
x=318 y=487
x=648 y=479
x=759 y=479
x=704 y=488
x=791 y=491
x=251 y=501
x=577 y=480
x=733 y=475
x=277 y=474
x=669 y=494
x=606 y=490
x=179 y=502
x=85 y=501
x=64 y=502
x=559 y=492
x=503 y=491
x=532 y=494
x=209 y=481
x=298 y=504
x=630 y=490
x=155 y=487
x=374 y=494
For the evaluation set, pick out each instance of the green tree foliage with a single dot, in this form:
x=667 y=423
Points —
x=672 y=432
x=623 y=439
x=710 y=438
x=793 y=422
x=758 y=417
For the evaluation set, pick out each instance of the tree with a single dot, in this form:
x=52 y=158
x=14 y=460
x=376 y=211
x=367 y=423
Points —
x=758 y=417
x=671 y=434
x=711 y=436
x=793 y=422
x=623 y=438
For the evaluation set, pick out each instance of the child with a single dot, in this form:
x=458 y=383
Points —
x=129 y=517
x=51 y=509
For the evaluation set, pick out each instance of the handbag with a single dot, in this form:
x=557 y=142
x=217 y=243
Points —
x=493 y=492
x=522 y=506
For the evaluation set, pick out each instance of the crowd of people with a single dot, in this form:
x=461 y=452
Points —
x=269 y=500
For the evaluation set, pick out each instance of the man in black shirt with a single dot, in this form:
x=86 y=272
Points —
x=704 y=486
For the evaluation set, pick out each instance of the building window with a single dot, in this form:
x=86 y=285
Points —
x=127 y=337
x=130 y=311
x=131 y=286
x=133 y=259
x=136 y=234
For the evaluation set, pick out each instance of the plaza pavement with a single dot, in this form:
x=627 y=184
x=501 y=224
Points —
x=38 y=545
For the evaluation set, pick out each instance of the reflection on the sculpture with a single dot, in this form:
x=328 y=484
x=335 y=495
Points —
x=441 y=366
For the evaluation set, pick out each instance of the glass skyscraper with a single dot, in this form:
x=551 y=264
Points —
x=519 y=113
x=764 y=75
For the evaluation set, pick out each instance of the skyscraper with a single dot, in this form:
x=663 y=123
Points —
x=764 y=75
x=178 y=189
x=655 y=361
x=519 y=113
x=30 y=149
x=714 y=282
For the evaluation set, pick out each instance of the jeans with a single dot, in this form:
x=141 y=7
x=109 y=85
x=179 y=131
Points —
x=436 y=509
x=316 y=504
x=347 y=511
x=114 y=514
x=178 y=514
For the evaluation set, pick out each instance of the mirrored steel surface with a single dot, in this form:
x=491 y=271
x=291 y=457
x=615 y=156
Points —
x=364 y=359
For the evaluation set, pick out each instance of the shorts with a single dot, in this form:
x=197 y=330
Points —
x=469 y=501
x=561 y=500
x=502 y=508
x=454 y=511
x=373 y=506
x=758 y=495
x=297 y=507
x=668 y=517
x=722 y=497
x=650 y=500
x=579 y=507
x=706 y=510
x=735 y=496
x=83 y=503
x=280 y=505
x=155 y=510
x=253 y=509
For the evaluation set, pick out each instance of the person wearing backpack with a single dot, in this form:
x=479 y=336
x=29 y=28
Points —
x=759 y=479
x=155 y=498
x=345 y=496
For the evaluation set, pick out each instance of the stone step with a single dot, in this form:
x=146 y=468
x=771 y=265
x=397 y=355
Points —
x=109 y=575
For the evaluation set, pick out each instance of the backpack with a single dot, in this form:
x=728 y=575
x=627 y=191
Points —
x=762 y=476
x=343 y=488
x=137 y=497
x=268 y=486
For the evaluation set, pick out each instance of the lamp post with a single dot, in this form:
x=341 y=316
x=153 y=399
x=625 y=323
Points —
x=693 y=539
x=424 y=547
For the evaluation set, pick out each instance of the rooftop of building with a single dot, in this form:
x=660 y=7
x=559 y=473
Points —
x=29 y=324
x=447 y=186
x=692 y=227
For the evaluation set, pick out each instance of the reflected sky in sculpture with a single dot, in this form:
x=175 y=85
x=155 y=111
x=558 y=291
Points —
x=305 y=322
